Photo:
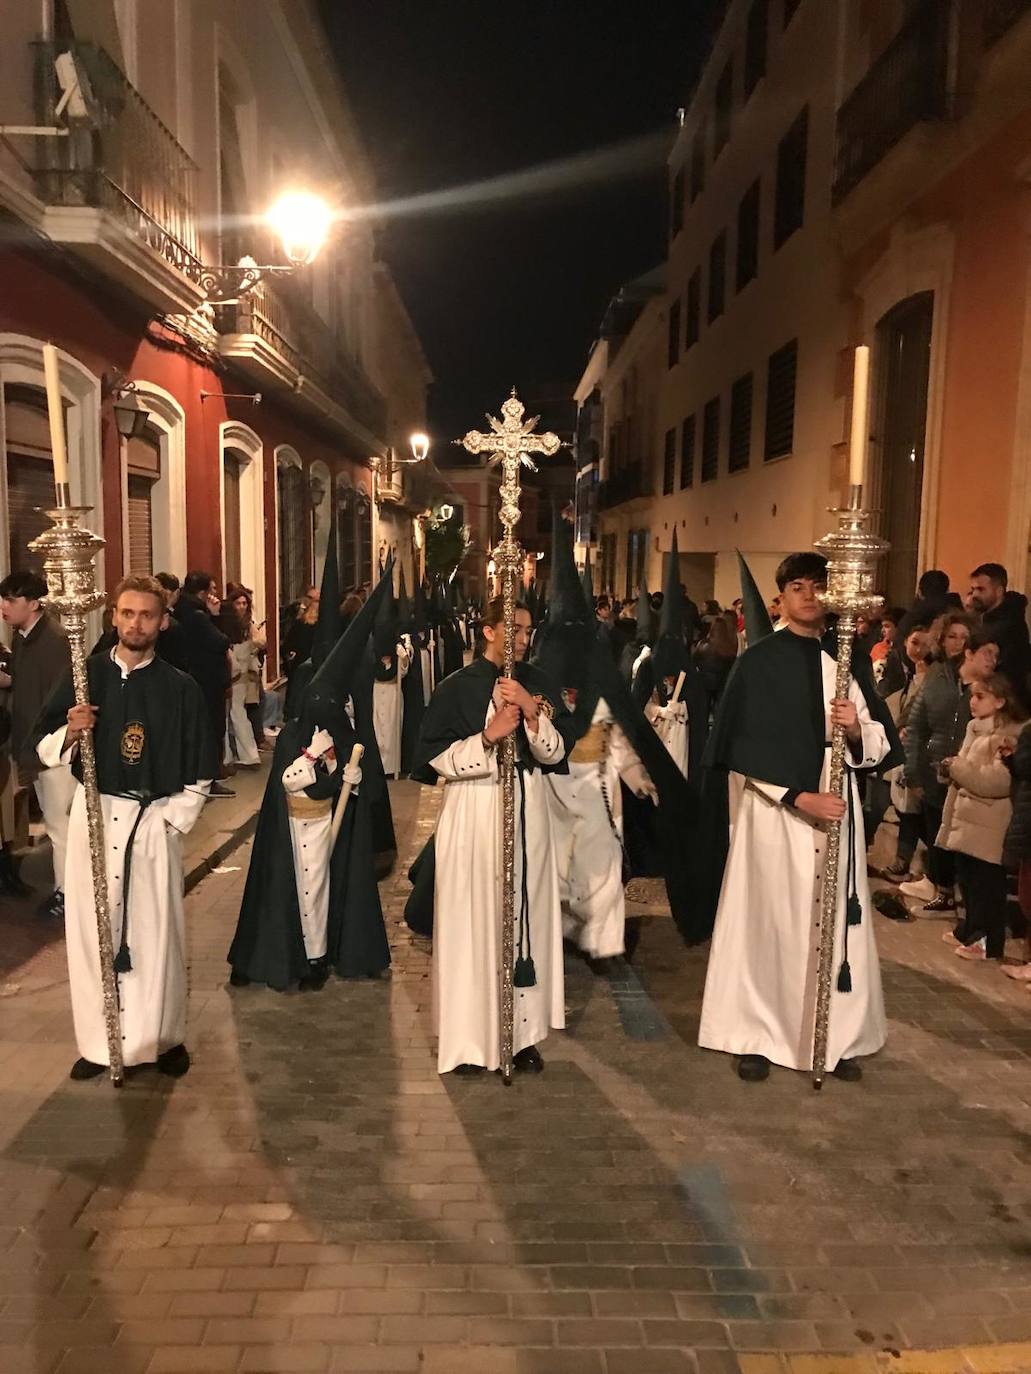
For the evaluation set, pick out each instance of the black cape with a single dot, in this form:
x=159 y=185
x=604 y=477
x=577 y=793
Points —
x=414 y=707
x=771 y=726
x=269 y=945
x=152 y=735
x=457 y=710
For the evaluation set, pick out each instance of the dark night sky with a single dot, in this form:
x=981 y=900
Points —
x=448 y=93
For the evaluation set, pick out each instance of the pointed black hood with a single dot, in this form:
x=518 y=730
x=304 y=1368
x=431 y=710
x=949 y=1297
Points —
x=566 y=601
x=645 y=615
x=385 y=630
x=757 y=618
x=671 y=619
x=327 y=694
x=404 y=605
x=327 y=628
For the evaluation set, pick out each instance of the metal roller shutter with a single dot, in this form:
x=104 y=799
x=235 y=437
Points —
x=141 y=541
x=30 y=491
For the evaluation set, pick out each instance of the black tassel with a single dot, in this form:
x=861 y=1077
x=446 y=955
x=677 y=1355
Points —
x=844 y=977
x=854 y=910
x=524 y=975
x=122 y=963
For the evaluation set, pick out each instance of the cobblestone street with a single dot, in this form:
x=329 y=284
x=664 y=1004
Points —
x=314 y=1197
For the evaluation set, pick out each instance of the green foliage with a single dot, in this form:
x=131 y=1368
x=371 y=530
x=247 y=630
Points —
x=447 y=543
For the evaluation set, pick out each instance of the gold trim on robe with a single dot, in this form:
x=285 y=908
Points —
x=305 y=809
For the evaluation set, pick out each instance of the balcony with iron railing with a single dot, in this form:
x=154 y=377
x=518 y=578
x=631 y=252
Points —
x=906 y=85
x=277 y=336
x=119 y=188
x=633 y=480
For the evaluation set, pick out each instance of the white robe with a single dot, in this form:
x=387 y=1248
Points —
x=153 y=994
x=426 y=663
x=671 y=725
x=467 y=904
x=388 y=713
x=311 y=839
x=588 y=843
x=760 y=989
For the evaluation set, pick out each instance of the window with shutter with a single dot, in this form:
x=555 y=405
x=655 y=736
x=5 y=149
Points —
x=293 y=570
x=740 y=447
x=723 y=108
x=717 y=276
x=789 y=208
x=143 y=465
x=141 y=541
x=346 y=548
x=755 y=44
x=669 y=462
x=30 y=491
x=231 y=513
x=673 y=346
x=780 y=401
x=711 y=440
x=687 y=438
x=693 y=327
x=748 y=236
x=30 y=473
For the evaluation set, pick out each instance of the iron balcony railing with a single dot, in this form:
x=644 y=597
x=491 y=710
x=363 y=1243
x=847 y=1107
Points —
x=277 y=313
x=627 y=484
x=906 y=85
x=120 y=158
x=1000 y=16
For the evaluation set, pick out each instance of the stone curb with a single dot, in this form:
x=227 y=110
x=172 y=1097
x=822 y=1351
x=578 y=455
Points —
x=218 y=856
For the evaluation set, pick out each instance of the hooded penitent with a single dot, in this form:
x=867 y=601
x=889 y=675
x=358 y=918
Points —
x=669 y=658
x=644 y=636
x=571 y=650
x=757 y=618
x=412 y=621
x=269 y=945
x=449 y=648
x=328 y=628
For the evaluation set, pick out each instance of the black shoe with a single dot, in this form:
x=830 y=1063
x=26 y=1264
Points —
x=943 y=902
x=52 y=908
x=528 y=1060
x=239 y=980
x=85 y=1068
x=848 y=1070
x=316 y=977
x=219 y=789
x=174 y=1062
x=896 y=872
x=467 y=1070
x=608 y=967
x=753 y=1068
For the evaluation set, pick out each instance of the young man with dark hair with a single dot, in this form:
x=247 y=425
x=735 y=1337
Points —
x=172 y=641
x=771 y=739
x=1004 y=618
x=469 y=714
x=207 y=653
x=39 y=659
x=152 y=748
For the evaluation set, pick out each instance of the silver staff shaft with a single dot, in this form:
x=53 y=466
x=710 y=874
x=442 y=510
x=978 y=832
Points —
x=68 y=550
x=832 y=862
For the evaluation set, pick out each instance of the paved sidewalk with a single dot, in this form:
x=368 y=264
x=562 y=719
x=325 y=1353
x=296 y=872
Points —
x=314 y=1197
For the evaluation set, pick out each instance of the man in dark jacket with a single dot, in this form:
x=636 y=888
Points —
x=1004 y=620
x=933 y=599
x=40 y=658
x=207 y=657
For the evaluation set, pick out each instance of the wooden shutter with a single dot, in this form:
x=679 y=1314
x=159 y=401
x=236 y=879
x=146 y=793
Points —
x=30 y=491
x=141 y=534
x=231 y=513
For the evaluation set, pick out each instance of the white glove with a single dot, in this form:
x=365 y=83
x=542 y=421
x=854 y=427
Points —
x=352 y=776
x=321 y=743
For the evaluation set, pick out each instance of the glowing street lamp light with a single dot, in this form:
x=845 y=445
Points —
x=302 y=222
x=420 y=446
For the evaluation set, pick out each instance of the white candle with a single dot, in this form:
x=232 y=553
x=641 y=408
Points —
x=52 y=372
x=860 y=398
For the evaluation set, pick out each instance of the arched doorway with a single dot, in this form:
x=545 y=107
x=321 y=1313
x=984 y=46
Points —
x=347 y=557
x=320 y=485
x=903 y=369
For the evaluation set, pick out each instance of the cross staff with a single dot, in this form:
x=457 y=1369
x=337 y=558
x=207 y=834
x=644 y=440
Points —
x=509 y=442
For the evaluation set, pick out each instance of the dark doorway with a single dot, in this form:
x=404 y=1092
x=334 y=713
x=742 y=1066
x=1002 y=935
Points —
x=904 y=354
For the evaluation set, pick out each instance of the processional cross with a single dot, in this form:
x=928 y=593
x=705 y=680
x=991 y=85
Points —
x=510 y=442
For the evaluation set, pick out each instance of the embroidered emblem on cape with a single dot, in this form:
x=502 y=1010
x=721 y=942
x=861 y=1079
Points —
x=544 y=705
x=133 y=739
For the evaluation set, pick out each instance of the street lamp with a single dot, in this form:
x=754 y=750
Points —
x=420 y=445
x=301 y=221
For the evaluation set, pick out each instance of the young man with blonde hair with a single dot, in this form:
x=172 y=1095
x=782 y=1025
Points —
x=154 y=752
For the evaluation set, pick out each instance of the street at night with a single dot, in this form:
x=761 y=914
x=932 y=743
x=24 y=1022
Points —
x=515 y=687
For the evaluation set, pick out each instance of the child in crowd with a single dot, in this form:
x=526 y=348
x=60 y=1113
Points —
x=977 y=815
